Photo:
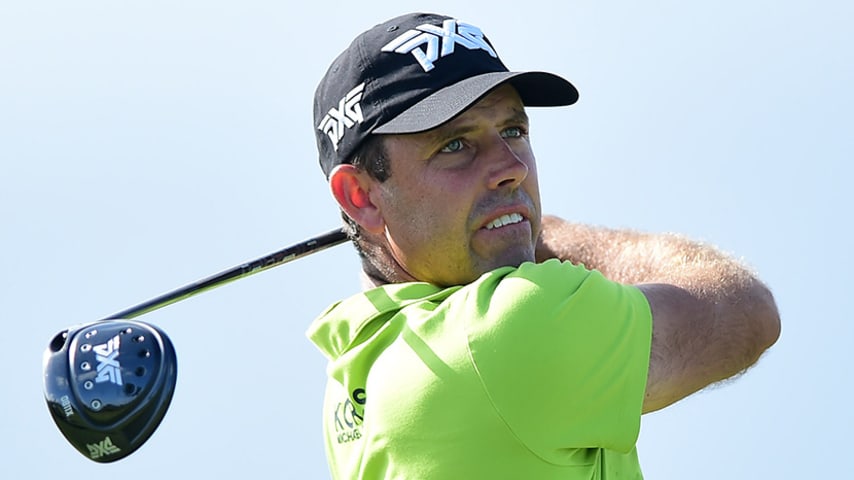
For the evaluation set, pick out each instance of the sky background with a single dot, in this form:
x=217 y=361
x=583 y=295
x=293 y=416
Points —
x=144 y=145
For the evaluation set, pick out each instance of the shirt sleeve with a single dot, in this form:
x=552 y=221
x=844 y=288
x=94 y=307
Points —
x=563 y=354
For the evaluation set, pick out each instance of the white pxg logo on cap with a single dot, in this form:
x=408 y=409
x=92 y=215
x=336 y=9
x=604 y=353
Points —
x=411 y=74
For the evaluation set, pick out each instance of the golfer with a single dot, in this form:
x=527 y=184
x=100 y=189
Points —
x=491 y=341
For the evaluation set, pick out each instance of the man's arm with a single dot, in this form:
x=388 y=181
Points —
x=712 y=318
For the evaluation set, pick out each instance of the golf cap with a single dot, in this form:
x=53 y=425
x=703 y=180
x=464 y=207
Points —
x=411 y=74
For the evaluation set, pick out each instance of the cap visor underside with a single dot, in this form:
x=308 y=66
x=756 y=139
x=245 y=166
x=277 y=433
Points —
x=537 y=89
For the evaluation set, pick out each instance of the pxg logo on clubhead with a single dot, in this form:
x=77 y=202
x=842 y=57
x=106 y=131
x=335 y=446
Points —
x=108 y=385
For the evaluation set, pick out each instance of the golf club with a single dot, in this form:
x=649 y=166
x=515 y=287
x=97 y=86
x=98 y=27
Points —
x=285 y=255
x=109 y=383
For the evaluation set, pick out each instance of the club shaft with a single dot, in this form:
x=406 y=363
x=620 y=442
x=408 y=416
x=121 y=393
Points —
x=288 y=254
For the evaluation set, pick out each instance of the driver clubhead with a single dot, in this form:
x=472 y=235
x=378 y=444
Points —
x=108 y=385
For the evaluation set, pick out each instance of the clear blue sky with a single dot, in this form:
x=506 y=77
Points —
x=144 y=145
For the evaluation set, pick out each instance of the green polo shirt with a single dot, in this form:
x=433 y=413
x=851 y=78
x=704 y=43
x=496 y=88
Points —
x=536 y=372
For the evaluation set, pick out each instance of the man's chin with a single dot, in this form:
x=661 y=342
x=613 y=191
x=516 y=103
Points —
x=509 y=258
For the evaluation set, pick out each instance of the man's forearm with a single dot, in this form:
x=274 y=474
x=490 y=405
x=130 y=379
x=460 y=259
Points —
x=631 y=257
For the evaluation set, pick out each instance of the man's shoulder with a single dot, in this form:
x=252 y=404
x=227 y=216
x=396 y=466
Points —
x=550 y=278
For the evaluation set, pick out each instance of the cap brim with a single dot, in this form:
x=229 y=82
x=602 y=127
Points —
x=536 y=89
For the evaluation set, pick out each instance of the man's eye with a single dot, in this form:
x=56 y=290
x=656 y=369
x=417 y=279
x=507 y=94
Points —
x=452 y=146
x=513 y=132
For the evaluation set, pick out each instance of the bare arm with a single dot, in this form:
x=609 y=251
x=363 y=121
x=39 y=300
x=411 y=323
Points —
x=712 y=318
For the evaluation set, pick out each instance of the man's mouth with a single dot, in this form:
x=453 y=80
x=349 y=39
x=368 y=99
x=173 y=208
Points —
x=503 y=220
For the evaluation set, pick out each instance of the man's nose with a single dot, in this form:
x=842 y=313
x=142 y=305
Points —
x=506 y=168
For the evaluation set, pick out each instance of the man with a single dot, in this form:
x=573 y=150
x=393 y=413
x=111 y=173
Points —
x=495 y=342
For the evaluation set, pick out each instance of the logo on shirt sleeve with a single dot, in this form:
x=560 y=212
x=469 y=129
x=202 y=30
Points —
x=348 y=417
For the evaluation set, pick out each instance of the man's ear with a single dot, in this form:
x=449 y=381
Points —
x=351 y=188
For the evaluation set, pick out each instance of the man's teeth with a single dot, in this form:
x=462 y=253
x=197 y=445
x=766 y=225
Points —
x=504 y=220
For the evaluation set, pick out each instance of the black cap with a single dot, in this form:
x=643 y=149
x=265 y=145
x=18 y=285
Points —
x=411 y=74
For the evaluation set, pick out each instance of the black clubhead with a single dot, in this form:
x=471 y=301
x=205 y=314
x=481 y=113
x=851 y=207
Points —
x=108 y=385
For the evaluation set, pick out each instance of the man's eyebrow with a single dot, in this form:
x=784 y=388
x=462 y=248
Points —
x=519 y=117
x=450 y=131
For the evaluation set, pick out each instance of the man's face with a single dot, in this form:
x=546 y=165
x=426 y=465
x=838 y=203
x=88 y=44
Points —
x=463 y=198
